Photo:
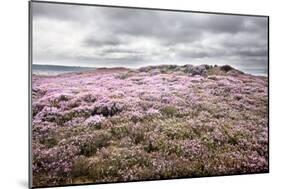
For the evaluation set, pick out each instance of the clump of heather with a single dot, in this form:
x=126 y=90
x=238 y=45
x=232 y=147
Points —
x=94 y=121
x=151 y=123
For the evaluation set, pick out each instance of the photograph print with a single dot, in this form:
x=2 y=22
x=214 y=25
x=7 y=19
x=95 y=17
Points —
x=123 y=94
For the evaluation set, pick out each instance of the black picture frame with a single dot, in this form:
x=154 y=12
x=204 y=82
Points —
x=30 y=61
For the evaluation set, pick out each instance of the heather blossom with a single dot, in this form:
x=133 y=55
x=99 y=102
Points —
x=149 y=123
x=94 y=120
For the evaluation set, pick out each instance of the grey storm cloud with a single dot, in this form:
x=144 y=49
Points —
x=98 y=42
x=106 y=36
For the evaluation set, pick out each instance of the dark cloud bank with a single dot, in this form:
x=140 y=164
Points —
x=109 y=37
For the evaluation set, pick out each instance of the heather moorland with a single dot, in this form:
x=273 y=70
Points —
x=155 y=122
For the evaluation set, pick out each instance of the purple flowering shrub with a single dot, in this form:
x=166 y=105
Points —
x=155 y=122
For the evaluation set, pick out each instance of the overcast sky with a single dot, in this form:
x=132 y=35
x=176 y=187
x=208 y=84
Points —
x=109 y=37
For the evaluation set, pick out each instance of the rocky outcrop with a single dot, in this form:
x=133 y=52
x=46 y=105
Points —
x=202 y=70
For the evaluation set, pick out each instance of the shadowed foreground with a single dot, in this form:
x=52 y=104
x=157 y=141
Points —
x=152 y=123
